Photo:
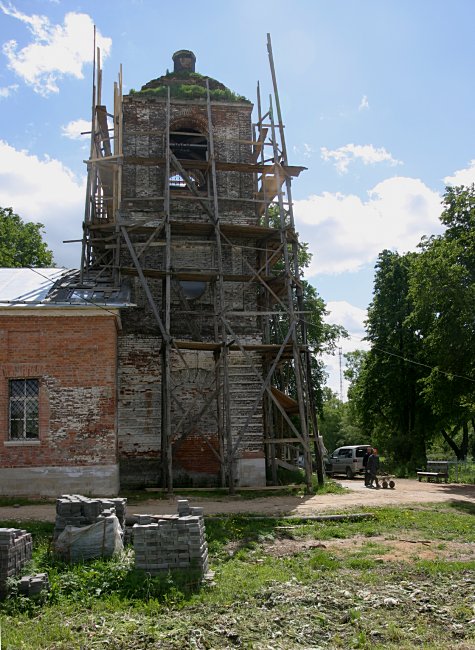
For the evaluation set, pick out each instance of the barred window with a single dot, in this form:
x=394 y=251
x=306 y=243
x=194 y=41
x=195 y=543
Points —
x=23 y=409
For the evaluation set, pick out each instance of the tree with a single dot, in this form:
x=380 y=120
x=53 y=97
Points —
x=418 y=380
x=21 y=244
x=384 y=389
x=336 y=423
x=442 y=289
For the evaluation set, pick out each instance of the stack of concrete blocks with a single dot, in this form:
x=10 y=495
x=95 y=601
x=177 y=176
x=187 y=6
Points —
x=15 y=550
x=79 y=511
x=169 y=542
x=88 y=528
x=32 y=586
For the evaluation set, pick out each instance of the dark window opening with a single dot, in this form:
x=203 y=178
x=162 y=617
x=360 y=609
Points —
x=189 y=144
x=23 y=409
x=193 y=289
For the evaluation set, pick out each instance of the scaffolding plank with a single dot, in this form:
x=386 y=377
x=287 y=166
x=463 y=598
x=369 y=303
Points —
x=259 y=144
x=222 y=166
x=203 y=276
x=101 y=113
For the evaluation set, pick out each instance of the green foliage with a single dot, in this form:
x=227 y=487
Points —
x=416 y=386
x=442 y=289
x=311 y=594
x=385 y=382
x=190 y=91
x=21 y=243
x=337 y=423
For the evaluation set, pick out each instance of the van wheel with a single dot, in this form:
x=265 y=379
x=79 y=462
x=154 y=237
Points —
x=349 y=473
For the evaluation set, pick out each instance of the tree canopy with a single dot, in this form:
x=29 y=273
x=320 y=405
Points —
x=21 y=244
x=417 y=381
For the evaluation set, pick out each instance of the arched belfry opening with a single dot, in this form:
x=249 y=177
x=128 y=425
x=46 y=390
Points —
x=213 y=363
x=188 y=143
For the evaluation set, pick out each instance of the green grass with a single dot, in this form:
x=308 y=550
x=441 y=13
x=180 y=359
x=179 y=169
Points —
x=313 y=597
x=8 y=502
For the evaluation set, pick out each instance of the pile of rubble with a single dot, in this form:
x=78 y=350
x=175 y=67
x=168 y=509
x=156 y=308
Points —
x=167 y=542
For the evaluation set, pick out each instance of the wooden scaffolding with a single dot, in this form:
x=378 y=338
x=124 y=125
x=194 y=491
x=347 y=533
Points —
x=110 y=253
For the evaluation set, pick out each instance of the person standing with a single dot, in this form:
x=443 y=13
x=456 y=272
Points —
x=373 y=467
x=367 y=454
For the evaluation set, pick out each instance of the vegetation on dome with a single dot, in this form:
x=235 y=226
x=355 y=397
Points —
x=188 y=85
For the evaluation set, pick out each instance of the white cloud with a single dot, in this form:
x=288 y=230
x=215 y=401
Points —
x=6 y=91
x=462 y=176
x=367 y=154
x=352 y=318
x=364 y=104
x=306 y=150
x=45 y=191
x=346 y=233
x=77 y=130
x=55 y=51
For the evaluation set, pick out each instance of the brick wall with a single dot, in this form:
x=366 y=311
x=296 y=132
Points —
x=74 y=359
x=144 y=127
x=194 y=434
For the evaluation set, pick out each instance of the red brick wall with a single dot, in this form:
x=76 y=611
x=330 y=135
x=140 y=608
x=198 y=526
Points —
x=194 y=455
x=74 y=359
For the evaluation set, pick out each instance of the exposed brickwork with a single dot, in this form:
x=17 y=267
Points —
x=195 y=430
x=74 y=359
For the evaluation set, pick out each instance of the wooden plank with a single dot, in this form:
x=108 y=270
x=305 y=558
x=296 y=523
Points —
x=259 y=233
x=259 y=145
x=222 y=166
x=101 y=112
x=201 y=276
x=286 y=465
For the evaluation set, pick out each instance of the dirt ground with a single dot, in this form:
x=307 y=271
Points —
x=384 y=549
x=406 y=491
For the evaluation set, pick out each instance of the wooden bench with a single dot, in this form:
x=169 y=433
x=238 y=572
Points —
x=435 y=469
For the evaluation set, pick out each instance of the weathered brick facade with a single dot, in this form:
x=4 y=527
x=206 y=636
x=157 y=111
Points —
x=195 y=435
x=72 y=353
x=188 y=277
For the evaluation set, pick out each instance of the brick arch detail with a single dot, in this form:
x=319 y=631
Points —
x=190 y=121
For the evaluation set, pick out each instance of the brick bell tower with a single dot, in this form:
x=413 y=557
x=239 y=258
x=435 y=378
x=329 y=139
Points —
x=189 y=212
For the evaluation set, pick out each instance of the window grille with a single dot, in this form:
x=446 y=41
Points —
x=23 y=409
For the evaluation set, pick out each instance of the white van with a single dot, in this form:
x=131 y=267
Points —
x=346 y=460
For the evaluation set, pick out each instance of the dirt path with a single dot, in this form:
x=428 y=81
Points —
x=407 y=491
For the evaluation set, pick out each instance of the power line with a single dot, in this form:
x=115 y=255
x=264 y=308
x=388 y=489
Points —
x=416 y=363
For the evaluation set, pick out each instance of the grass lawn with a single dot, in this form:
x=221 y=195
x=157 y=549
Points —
x=404 y=579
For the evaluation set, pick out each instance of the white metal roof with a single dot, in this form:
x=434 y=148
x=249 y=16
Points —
x=27 y=286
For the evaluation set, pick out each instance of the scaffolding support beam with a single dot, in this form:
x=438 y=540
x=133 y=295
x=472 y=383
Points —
x=119 y=227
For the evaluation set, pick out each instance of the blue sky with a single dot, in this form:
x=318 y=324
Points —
x=377 y=96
